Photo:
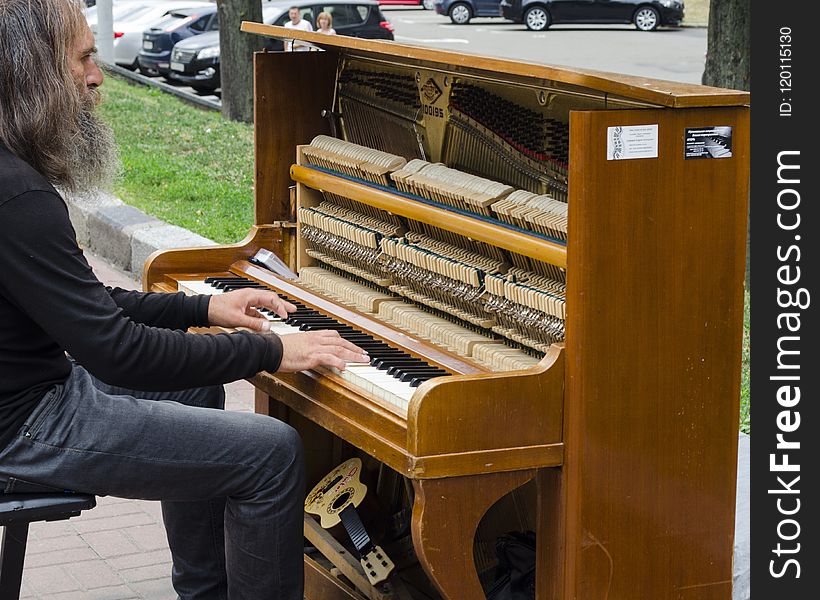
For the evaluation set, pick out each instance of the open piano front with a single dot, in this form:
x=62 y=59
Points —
x=562 y=298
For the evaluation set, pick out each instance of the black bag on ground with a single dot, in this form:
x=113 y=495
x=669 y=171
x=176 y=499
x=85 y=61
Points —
x=515 y=574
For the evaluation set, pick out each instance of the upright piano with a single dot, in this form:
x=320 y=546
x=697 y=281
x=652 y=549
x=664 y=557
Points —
x=555 y=264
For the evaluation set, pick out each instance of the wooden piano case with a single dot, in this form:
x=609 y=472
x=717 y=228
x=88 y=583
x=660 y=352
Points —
x=629 y=429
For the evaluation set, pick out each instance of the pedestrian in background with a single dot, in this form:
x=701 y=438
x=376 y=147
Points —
x=325 y=23
x=297 y=22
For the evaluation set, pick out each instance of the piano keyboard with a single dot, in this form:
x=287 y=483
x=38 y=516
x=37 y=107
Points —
x=392 y=374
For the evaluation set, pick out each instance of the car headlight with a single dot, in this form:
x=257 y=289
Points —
x=211 y=52
x=671 y=3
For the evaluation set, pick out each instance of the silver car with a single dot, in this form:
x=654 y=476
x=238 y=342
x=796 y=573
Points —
x=131 y=17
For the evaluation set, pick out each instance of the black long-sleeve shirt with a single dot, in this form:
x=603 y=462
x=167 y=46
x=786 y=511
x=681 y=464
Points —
x=51 y=303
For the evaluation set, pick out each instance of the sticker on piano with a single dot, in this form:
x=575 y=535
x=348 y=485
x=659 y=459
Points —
x=631 y=141
x=708 y=142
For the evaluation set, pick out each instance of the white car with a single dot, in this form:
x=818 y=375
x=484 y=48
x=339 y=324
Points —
x=122 y=9
x=131 y=17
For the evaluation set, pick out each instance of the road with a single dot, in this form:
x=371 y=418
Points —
x=673 y=54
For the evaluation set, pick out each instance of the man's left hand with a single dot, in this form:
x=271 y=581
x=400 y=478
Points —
x=239 y=309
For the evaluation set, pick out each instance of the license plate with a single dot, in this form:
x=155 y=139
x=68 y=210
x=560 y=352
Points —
x=148 y=45
x=175 y=66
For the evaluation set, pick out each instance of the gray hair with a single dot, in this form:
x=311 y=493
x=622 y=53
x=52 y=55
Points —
x=41 y=105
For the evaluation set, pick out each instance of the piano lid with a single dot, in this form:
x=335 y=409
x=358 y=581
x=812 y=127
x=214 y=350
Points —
x=629 y=88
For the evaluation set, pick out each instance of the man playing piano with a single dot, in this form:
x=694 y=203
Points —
x=80 y=425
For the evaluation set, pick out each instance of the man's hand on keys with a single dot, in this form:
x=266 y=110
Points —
x=311 y=349
x=300 y=351
x=238 y=309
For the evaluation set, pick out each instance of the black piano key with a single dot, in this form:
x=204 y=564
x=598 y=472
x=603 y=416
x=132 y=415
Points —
x=388 y=354
x=395 y=366
x=371 y=347
x=302 y=311
x=230 y=287
x=318 y=317
x=294 y=319
x=322 y=327
x=357 y=336
x=357 y=339
x=387 y=360
x=315 y=320
x=223 y=282
x=412 y=375
x=408 y=373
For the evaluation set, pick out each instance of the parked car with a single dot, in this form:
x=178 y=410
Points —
x=131 y=18
x=461 y=11
x=425 y=4
x=120 y=10
x=647 y=15
x=195 y=61
x=160 y=38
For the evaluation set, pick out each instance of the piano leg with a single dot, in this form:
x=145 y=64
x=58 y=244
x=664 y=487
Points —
x=446 y=514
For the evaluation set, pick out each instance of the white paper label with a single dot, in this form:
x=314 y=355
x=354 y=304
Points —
x=632 y=141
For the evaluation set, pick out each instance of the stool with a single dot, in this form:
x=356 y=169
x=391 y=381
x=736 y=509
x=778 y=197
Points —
x=16 y=512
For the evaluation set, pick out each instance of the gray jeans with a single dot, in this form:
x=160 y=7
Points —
x=231 y=483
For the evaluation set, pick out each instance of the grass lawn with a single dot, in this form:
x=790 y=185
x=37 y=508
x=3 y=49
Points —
x=182 y=164
x=696 y=13
x=191 y=168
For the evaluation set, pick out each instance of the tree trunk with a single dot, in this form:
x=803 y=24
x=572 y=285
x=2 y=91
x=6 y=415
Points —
x=236 y=57
x=728 y=58
x=729 y=44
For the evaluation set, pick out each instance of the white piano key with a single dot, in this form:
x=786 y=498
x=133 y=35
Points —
x=193 y=287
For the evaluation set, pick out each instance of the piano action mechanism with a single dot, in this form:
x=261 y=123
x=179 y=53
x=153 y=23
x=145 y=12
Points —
x=565 y=329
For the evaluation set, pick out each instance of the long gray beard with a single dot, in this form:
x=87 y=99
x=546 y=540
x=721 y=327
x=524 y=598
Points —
x=94 y=160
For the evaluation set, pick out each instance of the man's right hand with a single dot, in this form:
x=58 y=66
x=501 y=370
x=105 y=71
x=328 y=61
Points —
x=311 y=349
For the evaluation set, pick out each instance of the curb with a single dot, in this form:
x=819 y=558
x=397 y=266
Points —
x=123 y=235
x=165 y=87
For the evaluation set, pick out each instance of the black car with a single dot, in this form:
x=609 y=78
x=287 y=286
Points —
x=177 y=25
x=647 y=15
x=195 y=61
x=461 y=11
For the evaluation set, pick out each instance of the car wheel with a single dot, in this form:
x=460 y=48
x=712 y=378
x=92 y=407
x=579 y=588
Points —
x=537 y=18
x=460 y=13
x=646 y=18
x=428 y=4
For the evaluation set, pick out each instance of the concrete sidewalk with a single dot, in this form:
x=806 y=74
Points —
x=117 y=551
